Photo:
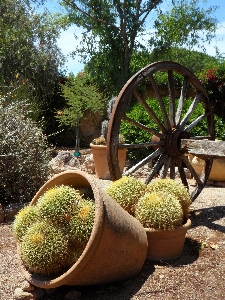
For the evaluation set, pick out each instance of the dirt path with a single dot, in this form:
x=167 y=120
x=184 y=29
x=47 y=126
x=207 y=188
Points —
x=198 y=274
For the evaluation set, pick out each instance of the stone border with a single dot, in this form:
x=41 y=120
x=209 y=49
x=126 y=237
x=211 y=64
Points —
x=8 y=213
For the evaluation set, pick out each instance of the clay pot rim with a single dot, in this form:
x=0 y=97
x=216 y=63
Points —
x=98 y=146
x=92 y=243
x=182 y=227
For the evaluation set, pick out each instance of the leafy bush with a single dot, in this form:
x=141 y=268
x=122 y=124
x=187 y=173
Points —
x=213 y=80
x=24 y=154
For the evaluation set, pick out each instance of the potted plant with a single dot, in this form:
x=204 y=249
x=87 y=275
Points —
x=106 y=229
x=164 y=213
x=99 y=148
x=126 y=191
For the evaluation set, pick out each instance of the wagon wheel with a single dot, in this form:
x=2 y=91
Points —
x=183 y=110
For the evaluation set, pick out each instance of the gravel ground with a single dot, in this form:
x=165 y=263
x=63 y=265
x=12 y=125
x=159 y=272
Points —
x=198 y=274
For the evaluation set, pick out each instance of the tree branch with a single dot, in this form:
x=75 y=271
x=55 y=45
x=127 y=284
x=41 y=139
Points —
x=74 y=6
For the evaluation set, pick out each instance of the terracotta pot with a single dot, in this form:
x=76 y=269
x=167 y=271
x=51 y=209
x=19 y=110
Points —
x=117 y=246
x=101 y=161
x=166 y=244
x=217 y=172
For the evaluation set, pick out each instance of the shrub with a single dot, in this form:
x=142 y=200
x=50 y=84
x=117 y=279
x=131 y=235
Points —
x=24 y=154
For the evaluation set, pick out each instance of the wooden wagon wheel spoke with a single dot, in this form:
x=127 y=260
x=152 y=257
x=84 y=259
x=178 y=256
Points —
x=182 y=172
x=141 y=126
x=181 y=100
x=161 y=103
x=150 y=111
x=172 y=167
x=192 y=170
x=195 y=122
x=190 y=111
x=171 y=98
x=156 y=168
x=174 y=115
x=144 y=161
x=165 y=167
x=142 y=145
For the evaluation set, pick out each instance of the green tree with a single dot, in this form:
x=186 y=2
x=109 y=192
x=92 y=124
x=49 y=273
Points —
x=186 y=25
x=29 y=56
x=81 y=96
x=112 y=31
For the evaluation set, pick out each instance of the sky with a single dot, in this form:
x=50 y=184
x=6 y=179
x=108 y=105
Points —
x=68 y=43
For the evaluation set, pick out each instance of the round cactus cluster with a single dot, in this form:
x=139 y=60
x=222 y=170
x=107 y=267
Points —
x=53 y=233
x=44 y=249
x=57 y=204
x=23 y=220
x=172 y=187
x=127 y=191
x=159 y=210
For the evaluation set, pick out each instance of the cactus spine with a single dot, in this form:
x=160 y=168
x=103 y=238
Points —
x=159 y=210
x=126 y=191
x=174 y=188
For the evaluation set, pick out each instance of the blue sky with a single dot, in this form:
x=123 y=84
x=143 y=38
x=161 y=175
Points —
x=68 y=43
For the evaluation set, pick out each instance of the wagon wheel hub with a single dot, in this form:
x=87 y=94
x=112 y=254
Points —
x=173 y=141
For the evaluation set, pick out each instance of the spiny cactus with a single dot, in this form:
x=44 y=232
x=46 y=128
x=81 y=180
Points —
x=57 y=204
x=23 y=220
x=104 y=129
x=126 y=191
x=159 y=210
x=44 y=249
x=82 y=221
x=174 y=188
x=54 y=232
x=99 y=141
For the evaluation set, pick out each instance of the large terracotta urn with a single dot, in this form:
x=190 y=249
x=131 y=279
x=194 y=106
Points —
x=117 y=246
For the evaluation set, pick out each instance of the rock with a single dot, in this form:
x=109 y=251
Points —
x=64 y=161
x=19 y=294
x=72 y=295
x=88 y=164
x=26 y=286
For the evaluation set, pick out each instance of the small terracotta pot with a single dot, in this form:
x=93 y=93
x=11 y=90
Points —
x=101 y=161
x=117 y=246
x=166 y=244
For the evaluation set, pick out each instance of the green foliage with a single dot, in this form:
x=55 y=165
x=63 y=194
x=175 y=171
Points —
x=81 y=95
x=126 y=191
x=23 y=220
x=24 y=154
x=29 y=55
x=159 y=210
x=181 y=26
x=44 y=249
x=112 y=32
x=170 y=186
x=213 y=80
